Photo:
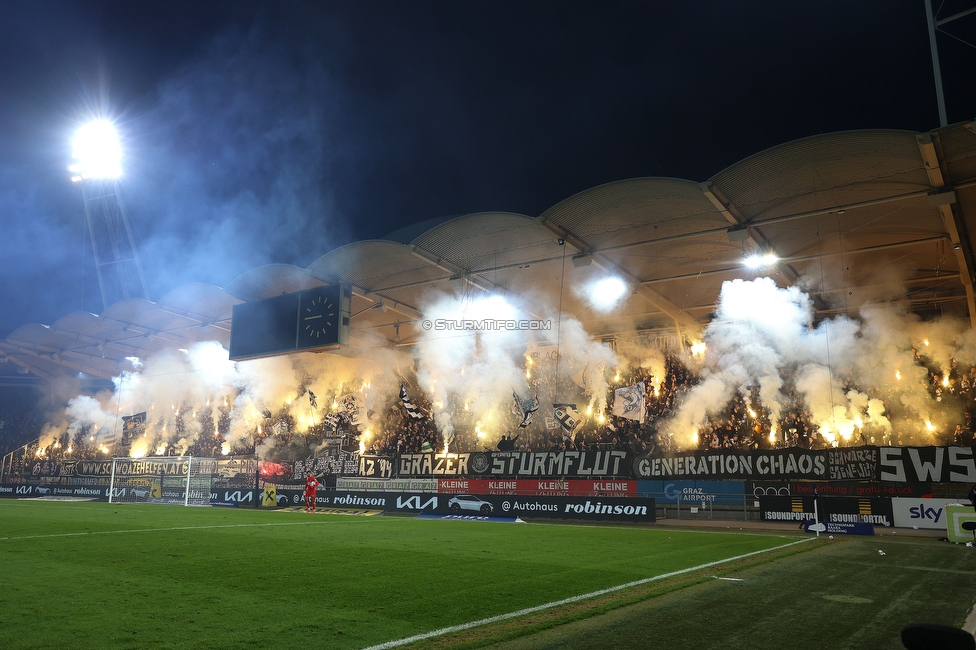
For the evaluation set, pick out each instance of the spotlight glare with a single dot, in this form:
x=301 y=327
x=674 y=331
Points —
x=606 y=293
x=760 y=261
x=97 y=150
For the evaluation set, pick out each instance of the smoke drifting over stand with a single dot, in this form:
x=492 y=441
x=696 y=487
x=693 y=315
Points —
x=858 y=377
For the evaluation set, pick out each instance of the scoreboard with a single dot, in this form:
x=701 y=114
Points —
x=314 y=319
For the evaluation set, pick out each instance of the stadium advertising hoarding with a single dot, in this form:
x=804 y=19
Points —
x=956 y=516
x=921 y=513
x=31 y=491
x=839 y=510
x=695 y=492
x=558 y=507
x=836 y=489
x=388 y=485
x=540 y=487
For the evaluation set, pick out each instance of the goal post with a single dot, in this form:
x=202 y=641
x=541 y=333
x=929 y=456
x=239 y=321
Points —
x=178 y=480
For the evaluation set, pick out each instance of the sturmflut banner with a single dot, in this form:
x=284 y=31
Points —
x=569 y=464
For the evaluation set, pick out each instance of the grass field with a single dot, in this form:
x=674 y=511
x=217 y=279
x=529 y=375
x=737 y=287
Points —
x=97 y=575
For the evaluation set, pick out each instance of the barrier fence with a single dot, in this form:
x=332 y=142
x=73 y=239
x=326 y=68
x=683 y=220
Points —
x=883 y=486
x=953 y=464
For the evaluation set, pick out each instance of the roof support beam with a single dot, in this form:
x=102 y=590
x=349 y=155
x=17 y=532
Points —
x=736 y=218
x=55 y=358
x=678 y=315
x=389 y=303
x=470 y=277
x=945 y=201
x=803 y=258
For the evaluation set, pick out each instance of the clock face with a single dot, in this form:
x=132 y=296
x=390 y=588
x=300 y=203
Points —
x=319 y=320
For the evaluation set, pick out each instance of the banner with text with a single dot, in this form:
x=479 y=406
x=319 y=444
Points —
x=518 y=464
x=875 y=510
x=556 y=487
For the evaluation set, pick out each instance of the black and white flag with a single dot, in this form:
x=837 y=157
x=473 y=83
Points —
x=267 y=414
x=525 y=407
x=568 y=417
x=353 y=406
x=332 y=420
x=312 y=399
x=133 y=421
x=412 y=411
x=628 y=402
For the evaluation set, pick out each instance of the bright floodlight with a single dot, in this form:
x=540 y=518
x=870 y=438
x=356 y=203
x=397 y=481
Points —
x=97 y=150
x=760 y=261
x=489 y=307
x=606 y=293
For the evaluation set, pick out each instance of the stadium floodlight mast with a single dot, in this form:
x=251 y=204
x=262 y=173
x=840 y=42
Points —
x=97 y=152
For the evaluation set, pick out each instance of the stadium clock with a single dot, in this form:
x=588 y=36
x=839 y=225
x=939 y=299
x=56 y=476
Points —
x=318 y=320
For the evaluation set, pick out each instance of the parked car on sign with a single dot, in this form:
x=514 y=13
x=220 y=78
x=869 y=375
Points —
x=470 y=502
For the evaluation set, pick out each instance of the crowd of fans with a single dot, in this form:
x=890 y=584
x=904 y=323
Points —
x=743 y=423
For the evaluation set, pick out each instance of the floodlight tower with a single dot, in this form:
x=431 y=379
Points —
x=98 y=155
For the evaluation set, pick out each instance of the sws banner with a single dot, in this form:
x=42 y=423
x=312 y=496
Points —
x=923 y=464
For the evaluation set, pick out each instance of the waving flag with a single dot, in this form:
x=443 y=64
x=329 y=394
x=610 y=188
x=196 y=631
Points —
x=525 y=407
x=628 y=402
x=568 y=417
x=353 y=407
x=412 y=411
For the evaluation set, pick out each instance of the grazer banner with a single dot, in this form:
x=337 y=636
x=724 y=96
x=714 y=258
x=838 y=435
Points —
x=518 y=464
x=923 y=464
x=732 y=464
x=838 y=510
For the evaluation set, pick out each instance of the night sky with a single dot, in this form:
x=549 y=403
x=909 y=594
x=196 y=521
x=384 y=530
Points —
x=273 y=132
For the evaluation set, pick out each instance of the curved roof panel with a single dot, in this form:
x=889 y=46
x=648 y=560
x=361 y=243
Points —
x=824 y=170
x=271 y=280
x=837 y=208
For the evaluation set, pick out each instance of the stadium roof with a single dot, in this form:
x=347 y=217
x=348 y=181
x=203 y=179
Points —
x=853 y=216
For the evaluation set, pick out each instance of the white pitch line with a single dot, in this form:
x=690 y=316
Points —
x=569 y=601
x=154 y=530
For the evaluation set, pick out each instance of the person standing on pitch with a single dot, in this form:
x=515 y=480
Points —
x=311 y=486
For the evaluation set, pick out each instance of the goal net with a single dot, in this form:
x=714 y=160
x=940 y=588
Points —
x=182 y=480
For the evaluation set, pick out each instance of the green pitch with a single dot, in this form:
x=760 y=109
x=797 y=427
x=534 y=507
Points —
x=99 y=575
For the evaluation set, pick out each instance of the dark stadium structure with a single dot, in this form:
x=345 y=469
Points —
x=835 y=208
